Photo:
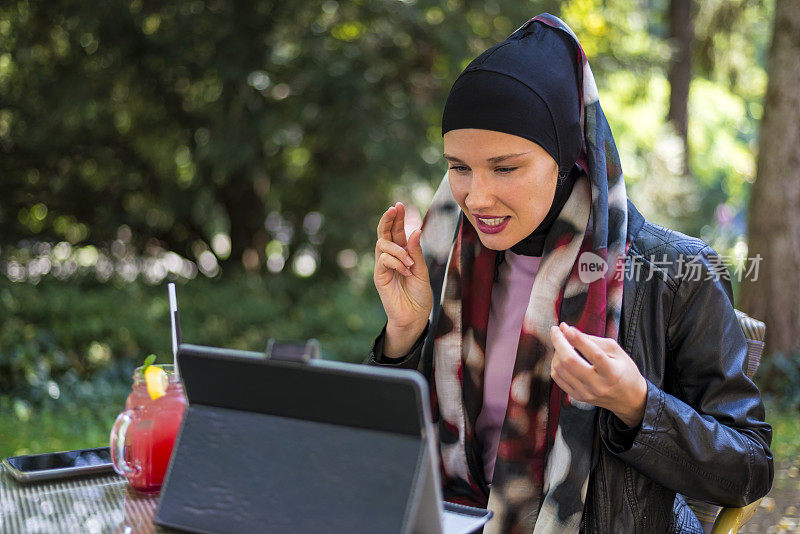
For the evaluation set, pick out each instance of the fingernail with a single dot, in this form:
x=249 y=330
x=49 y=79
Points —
x=409 y=261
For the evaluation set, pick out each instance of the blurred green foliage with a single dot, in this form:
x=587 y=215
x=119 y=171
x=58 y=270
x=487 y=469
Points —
x=62 y=427
x=56 y=334
x=244 y=132
x=187 y=119
x=81 y=423
x=67 y=351
x=785 y=429
x=245 y=149
x=780 y=377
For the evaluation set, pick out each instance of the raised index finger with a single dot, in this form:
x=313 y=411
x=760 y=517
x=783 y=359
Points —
x=386 y=222
x=399 y=226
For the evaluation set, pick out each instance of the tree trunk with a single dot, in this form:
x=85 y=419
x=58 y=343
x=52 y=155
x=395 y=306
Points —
x=681 y=34
x=245 y=212
x=774 y=219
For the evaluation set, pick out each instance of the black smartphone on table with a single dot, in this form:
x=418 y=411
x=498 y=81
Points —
x=53 y=465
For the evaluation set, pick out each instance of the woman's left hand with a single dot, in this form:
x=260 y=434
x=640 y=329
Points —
x=609 y=379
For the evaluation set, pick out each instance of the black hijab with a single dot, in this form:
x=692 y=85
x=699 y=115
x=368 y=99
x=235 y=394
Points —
x=526 y=86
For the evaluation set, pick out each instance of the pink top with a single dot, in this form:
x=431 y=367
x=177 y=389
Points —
x=510 y=296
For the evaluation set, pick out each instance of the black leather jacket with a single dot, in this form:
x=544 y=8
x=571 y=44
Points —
x=703 y=434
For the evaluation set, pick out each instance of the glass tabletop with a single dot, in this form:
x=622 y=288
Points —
x=89 y=504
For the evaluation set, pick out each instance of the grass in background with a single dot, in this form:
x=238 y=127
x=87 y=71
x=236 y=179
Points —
x=785 y=423
x=58 y=429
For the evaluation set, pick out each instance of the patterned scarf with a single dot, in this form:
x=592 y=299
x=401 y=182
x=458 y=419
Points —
x=547 y=440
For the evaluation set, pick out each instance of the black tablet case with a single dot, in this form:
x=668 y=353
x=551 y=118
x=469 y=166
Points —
x=290 y=447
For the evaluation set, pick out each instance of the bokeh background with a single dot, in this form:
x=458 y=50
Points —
x=245 y=151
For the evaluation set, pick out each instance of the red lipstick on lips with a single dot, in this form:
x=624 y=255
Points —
x=490 y=228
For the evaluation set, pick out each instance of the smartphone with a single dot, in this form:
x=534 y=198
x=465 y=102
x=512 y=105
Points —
x=52 y=465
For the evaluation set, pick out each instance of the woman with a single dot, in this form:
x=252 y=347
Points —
x=579 y=377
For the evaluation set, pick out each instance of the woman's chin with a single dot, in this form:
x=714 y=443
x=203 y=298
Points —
x=495 y=242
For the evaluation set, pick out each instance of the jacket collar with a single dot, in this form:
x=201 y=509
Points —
x=635 y=221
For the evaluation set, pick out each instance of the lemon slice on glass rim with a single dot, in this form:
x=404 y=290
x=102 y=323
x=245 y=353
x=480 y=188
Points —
x=156 y=380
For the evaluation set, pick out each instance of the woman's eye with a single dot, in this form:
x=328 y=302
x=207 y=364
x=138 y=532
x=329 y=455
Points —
x=459 y=168
x=505 y=170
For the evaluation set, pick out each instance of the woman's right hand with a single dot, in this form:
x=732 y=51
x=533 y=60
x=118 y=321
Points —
x=401 y=278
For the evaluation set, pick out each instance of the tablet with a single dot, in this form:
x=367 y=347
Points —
x=317 y=446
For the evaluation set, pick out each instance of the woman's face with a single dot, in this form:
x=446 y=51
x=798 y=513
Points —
x=504 y=184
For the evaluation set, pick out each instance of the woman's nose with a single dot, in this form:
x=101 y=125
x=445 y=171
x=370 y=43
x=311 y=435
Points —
x=480 y=195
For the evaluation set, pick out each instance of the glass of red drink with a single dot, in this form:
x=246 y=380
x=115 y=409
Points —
x=143 y=434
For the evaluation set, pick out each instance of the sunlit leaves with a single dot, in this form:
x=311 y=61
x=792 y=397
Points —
x=348 y=31
x=187 y=121
x=615 y=31
x=151 y=23
x=721 y=136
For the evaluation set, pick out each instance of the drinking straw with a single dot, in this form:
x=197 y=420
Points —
x=174 y=325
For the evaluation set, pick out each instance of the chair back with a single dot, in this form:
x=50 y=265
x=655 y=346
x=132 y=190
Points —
x=754 y=331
